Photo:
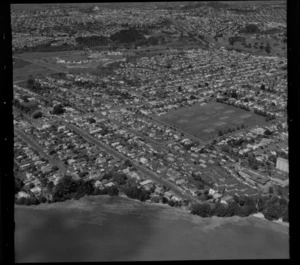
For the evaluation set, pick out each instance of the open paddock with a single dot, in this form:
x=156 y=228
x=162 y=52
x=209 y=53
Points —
x=30 y=69
x=206 y=121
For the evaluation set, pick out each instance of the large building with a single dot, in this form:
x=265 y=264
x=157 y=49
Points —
x=282 y=164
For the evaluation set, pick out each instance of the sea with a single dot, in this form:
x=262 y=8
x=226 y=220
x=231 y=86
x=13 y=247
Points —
x=103 y=228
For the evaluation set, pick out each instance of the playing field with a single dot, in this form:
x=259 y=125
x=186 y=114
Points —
x=206 y=121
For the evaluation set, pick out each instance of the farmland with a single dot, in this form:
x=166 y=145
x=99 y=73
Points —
x=206 y=121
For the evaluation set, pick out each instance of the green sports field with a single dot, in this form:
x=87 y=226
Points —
x=206 y=121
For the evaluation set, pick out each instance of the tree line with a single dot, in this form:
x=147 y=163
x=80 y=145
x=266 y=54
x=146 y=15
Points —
x=272 y=208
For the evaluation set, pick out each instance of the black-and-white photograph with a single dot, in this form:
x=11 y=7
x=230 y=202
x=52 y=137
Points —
x=150 y=131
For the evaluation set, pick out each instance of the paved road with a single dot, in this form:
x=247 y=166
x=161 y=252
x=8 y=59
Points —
x=142 y=168
x=31 y=142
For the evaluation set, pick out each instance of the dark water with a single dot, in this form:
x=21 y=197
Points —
x=111 y=229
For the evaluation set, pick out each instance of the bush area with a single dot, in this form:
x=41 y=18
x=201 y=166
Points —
x=92 y=41
x=127 y=36
x=67 y=188
x=272 y=208
x=26 y=106
x=250 y=29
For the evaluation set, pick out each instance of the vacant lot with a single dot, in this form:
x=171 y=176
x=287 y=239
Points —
x=206 y=121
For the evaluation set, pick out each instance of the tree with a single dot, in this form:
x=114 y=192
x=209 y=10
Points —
x=268 y=48
x=231 y=209
x=285 y=215
x=243 y=211
x=64 y=188
x=42 y=199
x=127 y=163
x=37 y=114
x=164 y=200
x=261 y=203
x=202 y=210
x=50 y=185
x=283 y=202
x=271 y=190
x=165 y=188
x=91 y=120
x=273 y=212
x=171 y=203
x=21 y=200
x=219 y=209
x=143 y=195
x=58 y=109
x=18 y=185
x=208 y=197
x=55 y=168
x=30 y=81
x=112 y=191
x=120 y=178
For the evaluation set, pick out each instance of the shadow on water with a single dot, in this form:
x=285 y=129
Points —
x=100 y=233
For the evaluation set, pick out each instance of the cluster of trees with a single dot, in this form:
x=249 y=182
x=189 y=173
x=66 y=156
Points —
x=19 y=184
x=268 y=89
x=225 y=101
x=84 y=83
x=273 y=208
x=264 y=114
x=234 y=39
x=33 y=84
x=230 y=130
x=28 y=107
x=130 y=187
x=150 y=41
x=241 y=11
x=118 y=93
x=91 y=41
x=30 y=200
x=127 y=36
x=134 y=192
x=250 y=29
x=268 y=48
x=58 y=109
x=68 y=188
x=202 y=181
x=37 y=114
x=188 y=146
x=21 y=106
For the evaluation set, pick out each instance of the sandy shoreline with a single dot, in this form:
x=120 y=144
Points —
x=123 y=204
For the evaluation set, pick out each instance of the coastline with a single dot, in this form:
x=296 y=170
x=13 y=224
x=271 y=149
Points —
x=279 y=221
x=87 y=203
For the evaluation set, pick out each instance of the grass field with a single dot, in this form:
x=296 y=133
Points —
x=31 y=69
x=206 y=121
x=18 y=63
